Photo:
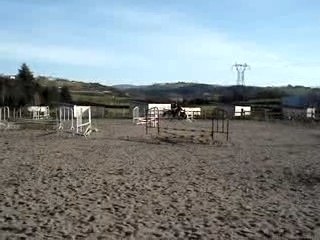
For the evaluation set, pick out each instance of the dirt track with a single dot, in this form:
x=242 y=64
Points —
x=118 y=184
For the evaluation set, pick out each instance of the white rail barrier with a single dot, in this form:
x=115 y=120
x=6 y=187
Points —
x=4 y=113
x=79 y=113
x=66 y=117
x=136 y=115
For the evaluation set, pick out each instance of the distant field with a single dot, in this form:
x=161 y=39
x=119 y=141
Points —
x=99 y=98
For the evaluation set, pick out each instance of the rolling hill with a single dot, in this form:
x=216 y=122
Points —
x=188 y=93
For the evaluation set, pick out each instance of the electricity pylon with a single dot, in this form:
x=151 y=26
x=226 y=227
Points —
x=241 y=68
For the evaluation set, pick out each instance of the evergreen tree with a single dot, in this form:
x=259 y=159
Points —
x=65 y=95
x=27 y=84
x=50 y=95
x=45 y=96
x=3 y=89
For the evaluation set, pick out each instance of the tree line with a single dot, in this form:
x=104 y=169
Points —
x=24 y=90
x=205 y=94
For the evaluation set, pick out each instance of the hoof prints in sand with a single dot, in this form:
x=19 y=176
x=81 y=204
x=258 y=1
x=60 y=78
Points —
x=99 y=188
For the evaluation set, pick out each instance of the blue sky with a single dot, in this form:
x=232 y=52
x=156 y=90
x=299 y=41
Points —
x=156 y=41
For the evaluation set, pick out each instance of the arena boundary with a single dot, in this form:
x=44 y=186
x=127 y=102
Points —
x=4 y=116
x=75 y=119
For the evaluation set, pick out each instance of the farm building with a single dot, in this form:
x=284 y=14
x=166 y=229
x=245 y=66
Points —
x=242 y=111
x=162 y=107
x=192 y=112
x=311 y=112
x=39 y=112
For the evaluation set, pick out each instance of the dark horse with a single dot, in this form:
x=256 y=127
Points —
x=176 y=111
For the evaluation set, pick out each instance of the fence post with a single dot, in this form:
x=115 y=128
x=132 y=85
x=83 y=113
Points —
x=158 y=121
x=217 y=125
x=8 y=111
x=72 y=119
x=146 y=121
x=212 y=129
x=227 y=129
x=223 y=121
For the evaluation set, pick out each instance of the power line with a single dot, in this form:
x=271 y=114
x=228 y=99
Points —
x=240 y=68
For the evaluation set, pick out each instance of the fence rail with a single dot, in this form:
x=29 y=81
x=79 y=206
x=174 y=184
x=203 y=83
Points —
x=219 y=125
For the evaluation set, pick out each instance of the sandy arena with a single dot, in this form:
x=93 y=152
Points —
x=119 y=184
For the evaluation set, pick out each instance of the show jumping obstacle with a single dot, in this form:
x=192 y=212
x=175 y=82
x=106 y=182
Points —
x=4 y=114
x=66 y=118
x=32 y=116
x=77 y=119
x=151 y=118
x=80 y=113
x=219 y=126
x=136 y=119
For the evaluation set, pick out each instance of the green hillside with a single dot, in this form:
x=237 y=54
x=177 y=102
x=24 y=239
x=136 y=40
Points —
x=82 y=92
x=188 y=93
x=205 y=93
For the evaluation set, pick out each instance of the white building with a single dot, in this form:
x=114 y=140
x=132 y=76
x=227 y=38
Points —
x=311 y=112
x=192 y=112
x=161 y=107
x=39 y=112
x=242 y=111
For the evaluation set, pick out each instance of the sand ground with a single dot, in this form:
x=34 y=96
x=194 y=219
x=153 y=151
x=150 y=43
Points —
x=121 y=184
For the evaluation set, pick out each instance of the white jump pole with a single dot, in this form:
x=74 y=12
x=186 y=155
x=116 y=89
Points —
x=8 y=112
x=72 y=114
